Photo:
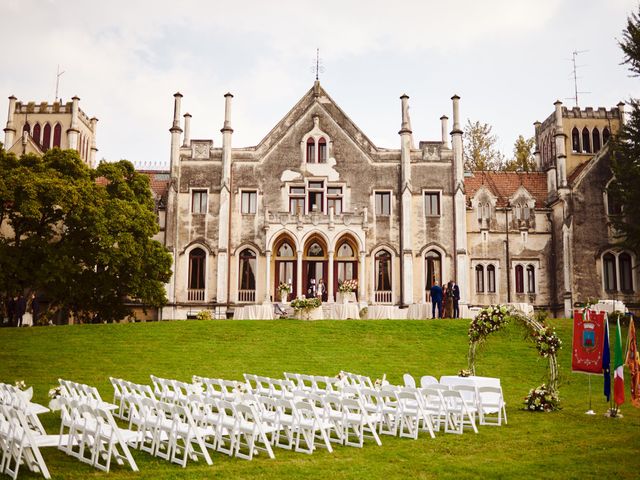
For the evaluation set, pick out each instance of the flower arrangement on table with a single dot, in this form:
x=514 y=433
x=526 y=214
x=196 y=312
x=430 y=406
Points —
x=54 y=394
x=542 y=399
x=347 y=286
x=305 y=303
x=284 y=288
x=547 y=342
x=20 y=385
x=465 y=373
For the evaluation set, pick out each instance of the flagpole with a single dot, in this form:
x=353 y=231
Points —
x=590 y=411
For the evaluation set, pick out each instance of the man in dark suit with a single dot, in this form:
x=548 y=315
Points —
x=436 y=300
x=455 y=291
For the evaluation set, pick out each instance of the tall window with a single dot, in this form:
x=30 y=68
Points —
x=322 y=150
x=26 y=128
x=36 y=133
x=596 y=140
x=491 y=279
x=432 y=203
x=531 y=279
x=296 y=200
x=626 y=279
x=609 y=270
x=519 y=279
x=249 y=201
x=199 y=201
x=521 y=211
x=311 y=151
x=484 y=210
x=347 y=264
x=316 y=196
x=334 y=199
x=614 y=206
x=383 y=271
x=586 y=140
x=479 y=279
x=433 y=266
x=247 y=270
x=46 y=137
x=575 y=140
x=197 y=259
x=605 y=135
x=383 y=203
x=285 y=266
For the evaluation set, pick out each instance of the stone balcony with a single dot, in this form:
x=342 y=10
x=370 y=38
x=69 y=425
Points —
x=329 y=220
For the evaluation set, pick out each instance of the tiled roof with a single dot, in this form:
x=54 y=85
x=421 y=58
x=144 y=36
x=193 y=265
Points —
x=504 y=184
x=158 y=181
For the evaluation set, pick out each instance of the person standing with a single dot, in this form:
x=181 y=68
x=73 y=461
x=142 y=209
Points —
x=21 y=308
x=436 y=300
x=455 y=289
x=11 y=309
x=321 y=290
x=448 y=300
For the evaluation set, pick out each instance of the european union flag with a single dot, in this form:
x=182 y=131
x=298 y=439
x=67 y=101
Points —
x=606 y=360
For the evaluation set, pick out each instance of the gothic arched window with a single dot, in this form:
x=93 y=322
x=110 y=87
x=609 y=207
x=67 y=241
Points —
x=575 y=140
x=586 y=140
x=596 y=140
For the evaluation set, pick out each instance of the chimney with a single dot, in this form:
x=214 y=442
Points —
x=187 y=130
x=444 y=122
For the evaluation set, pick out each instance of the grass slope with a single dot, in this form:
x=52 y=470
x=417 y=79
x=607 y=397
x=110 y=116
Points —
x=564 y=444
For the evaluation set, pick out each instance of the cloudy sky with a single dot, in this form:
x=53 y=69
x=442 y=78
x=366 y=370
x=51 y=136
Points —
x=509 y=60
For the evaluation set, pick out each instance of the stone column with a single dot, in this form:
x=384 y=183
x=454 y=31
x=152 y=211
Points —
x=406 y=240
x=73 y=132
x=299 y=274
x=267 y=278
x=330 y=292
x=561 y=156
x=94 y=148
x=187 y=130
x=362 y=273
x=444 y=122
x=10 y=129
x=225 y=204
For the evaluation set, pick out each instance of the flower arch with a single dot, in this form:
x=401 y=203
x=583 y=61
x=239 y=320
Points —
x=493 y=318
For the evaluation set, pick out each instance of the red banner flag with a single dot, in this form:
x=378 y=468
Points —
x=588 y=341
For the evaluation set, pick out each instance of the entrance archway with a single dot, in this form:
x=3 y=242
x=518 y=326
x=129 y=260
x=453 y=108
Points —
x=314 y=264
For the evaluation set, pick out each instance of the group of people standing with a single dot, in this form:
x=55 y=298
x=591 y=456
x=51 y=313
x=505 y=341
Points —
x=449 y=296
x=22 y=311
x=318 y=290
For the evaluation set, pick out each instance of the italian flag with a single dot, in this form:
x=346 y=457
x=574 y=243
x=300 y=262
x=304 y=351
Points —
x=618 y=375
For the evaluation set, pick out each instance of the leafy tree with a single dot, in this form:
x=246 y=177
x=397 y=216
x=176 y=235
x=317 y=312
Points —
x=522 y=160
x=626 y=149
x=82 y=237
x=480 y=152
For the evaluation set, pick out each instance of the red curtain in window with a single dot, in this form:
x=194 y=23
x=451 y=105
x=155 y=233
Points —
x=46 y=137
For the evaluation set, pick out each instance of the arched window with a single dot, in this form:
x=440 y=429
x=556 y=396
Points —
x=491 y=279
x=285 y=250
x=479 y=279
x=26 y=128
x=596 y=140
x=36 y=133
x=433 y=265
x=605 y=135
x=311 y=151
x=575 y=140
x=531 y=279
x=383 y=272
x=322 y=150
x=519 y=279
x=285 y=267
x=247 y=271
x=345 y=250
x=46 y=137
x=315 y=250
x=609 y=272
x=586 y=140
x=484 y=211
x=346 y=264
x=197 y=263
x=57 y=135
x=626 y=279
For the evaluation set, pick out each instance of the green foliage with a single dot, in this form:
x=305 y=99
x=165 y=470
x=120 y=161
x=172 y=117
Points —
x=630 y=43
x=85 y=245
x=204 y=315
x=480 y=151
x=305 y=303
x=522 y=160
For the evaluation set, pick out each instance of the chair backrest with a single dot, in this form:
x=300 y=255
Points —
x=468 y=392
x=409 y=381
x=427 y=381
x=490 y=396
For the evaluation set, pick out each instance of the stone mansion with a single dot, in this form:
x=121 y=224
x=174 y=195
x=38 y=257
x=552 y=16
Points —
x=316 y=199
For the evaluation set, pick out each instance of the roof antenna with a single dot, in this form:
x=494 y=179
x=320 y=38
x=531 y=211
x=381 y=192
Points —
x=58 y=75
x=574 y=74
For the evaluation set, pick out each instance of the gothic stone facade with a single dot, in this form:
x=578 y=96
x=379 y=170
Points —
x=316 y=199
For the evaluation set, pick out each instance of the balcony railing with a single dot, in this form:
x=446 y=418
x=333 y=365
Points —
x=247 y=296
x=384 y=296
x=195 y=294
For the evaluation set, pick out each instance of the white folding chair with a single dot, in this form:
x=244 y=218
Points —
x=491 y=402
x=408 y=380
x=356 y=420
x=411 y=415
x=427 y=381
x=434 y=406
x=309 y=425
x=252 y=433
x=185 y=438
x=459 y=414
x=21 y=445
x=390 y=410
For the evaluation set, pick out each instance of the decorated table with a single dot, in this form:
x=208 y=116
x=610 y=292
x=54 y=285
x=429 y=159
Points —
x=377 y=312
x=344 y=311
x=418 y=311
x=254 y=312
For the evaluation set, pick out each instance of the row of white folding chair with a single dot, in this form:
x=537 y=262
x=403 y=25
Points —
x=12 y=396
x=123 y=389
x=85 y=393
x=315 y=383
x=271 y=387
x=90 y=434
x=167 y=430
x=357 y=380
x=425 y=381
x=487 y=399
x=173 y=391
x=218 y=387
x=19 y=445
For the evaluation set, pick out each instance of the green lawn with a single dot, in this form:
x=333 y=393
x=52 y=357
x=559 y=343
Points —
x=564 y=444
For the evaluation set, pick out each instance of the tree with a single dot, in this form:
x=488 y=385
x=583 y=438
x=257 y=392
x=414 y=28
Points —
x=522 y=160
x=79 y=236
x=480 y=152
x=625 y=148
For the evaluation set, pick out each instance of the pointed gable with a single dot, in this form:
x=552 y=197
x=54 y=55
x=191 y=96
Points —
x=504 y=185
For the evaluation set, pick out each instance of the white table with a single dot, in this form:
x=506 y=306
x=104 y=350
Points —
x=472 y=380
x=254 y=312
x=377 y=312
x=418 y=311
x=344 y=311
x=310 y=314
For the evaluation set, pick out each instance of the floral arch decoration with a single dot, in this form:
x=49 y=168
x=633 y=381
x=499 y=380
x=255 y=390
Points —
x=495 y=317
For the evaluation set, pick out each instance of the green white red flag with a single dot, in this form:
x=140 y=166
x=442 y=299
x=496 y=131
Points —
x=618 y=373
